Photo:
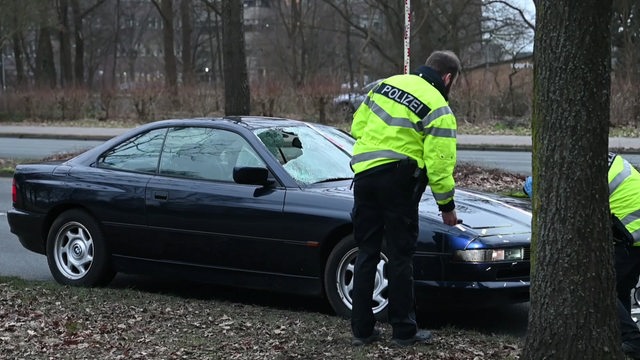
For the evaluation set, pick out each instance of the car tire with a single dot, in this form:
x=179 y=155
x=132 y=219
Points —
x=338 y=280
x=77 y=253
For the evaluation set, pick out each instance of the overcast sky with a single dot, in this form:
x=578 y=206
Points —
x=528 y=6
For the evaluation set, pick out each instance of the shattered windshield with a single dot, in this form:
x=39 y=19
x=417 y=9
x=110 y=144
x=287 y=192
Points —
x=307 y=155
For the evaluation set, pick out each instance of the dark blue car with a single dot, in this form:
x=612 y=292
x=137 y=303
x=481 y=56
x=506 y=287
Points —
x=250 y=202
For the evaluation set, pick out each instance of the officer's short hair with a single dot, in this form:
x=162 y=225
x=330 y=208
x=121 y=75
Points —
x=444 y=62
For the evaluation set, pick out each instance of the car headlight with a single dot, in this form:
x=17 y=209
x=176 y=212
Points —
x=489 y=255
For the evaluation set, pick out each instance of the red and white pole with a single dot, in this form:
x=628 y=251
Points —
x=407 y=34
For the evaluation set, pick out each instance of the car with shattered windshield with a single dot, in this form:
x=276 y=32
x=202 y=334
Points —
x=251 y=202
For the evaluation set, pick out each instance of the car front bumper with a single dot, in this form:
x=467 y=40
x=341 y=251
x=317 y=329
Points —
x=482 y=293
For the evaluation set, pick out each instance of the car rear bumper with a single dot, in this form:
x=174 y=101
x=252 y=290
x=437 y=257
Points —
x=28 y=228
x=487 y=293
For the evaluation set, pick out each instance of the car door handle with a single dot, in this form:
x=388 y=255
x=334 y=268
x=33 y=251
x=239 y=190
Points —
x=161 y=195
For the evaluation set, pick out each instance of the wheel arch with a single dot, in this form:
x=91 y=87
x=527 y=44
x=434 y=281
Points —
x=53 y=214
x=332 y=239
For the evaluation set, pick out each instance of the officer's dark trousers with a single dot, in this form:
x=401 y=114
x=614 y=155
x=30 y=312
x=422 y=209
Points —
x=386 y=207
x=627 y=265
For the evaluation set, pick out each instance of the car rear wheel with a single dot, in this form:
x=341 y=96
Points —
x=338 y=280
x=77 y=253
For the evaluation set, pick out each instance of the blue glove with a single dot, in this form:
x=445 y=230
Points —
x=528 y=186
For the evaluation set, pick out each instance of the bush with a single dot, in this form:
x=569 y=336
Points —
x=479 y=98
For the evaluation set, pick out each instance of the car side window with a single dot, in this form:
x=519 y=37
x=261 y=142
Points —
x=139 y=154
x=204 y=153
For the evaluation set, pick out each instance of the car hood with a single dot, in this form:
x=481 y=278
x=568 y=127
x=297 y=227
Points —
x=488 y=214
x=483 y=214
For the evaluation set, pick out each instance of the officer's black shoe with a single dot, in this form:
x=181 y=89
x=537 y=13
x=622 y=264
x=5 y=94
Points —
x=375 y=336
x=421 y=337
x=631 y=349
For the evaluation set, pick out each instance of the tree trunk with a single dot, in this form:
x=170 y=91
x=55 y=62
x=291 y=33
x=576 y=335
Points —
x=170 y=68
x=45 y=66
x=78 y=64
x=572 y=313
x=187 y=46
x=17 y=58
x=237 y=98
x=66 y=74
x=116 y=41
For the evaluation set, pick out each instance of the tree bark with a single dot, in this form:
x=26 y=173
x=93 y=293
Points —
x=236 y=81
x=572 y=313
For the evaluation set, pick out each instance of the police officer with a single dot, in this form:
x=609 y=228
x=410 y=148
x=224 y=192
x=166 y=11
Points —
x=624 y=202
x=404 y=131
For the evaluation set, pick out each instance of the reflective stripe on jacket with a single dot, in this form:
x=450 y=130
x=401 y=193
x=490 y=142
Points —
x=624 y=194
x=405 y=116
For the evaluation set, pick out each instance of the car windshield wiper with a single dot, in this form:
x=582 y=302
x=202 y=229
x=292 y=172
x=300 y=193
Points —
x=333 y=179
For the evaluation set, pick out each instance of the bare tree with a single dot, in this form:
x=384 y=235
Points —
x=213 y=32
x=78 y=17
x=187 y=44
x=237 y=95
x=506 y=29
x=436 y=24
x=572 y=289
x=45 y=68
x=302 y=41
x=165 y=8
x=64 y=38
x=19 y=24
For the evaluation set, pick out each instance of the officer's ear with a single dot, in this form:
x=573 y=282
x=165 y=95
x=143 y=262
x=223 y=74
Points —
x=449 y=79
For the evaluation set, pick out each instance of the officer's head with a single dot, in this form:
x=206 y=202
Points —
x=447 y=64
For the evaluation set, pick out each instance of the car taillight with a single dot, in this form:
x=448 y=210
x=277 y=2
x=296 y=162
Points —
x=14 y=192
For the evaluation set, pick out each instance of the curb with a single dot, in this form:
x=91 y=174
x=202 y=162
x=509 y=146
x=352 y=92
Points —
x=465 y=142
x=57 y=136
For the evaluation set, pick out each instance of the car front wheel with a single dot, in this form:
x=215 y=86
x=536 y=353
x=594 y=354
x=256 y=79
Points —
x=338 y=280
x=77 y=253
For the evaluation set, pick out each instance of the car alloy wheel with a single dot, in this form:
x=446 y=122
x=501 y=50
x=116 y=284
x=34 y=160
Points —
x=344 y=280
x=76 y=251
x=73 y=250
x=338 y=280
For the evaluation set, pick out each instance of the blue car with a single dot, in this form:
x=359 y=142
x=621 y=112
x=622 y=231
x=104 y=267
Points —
x=251 y=202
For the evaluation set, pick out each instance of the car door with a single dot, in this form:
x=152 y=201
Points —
x=198 y=216
x=114 y=190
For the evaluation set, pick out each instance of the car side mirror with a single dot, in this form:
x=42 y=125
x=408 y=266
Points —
x=251 y=175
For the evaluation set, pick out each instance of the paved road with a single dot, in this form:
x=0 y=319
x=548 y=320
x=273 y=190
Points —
x=34 y=149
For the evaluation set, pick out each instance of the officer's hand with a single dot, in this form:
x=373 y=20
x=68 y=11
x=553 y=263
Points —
x=450 y=218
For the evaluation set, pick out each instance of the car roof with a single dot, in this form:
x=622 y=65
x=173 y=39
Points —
x=249 y=122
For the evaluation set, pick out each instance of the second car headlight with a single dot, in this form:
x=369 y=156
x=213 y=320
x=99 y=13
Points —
x=489 y=255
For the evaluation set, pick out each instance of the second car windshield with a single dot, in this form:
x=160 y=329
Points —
x=305 y=154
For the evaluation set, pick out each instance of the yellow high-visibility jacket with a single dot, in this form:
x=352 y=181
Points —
x=624 y=194
x=406 y=116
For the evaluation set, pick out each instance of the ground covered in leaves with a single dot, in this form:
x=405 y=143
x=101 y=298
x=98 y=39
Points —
x=46 y=321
